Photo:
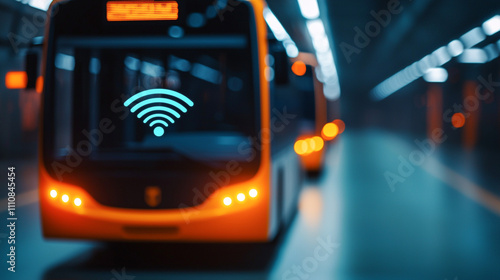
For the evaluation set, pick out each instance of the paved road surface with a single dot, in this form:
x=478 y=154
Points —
x=441 y=222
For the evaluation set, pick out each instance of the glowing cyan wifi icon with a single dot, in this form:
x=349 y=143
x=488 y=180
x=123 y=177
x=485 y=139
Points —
x=158 y=115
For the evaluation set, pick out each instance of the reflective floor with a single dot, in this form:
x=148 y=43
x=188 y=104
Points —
x=441 y=221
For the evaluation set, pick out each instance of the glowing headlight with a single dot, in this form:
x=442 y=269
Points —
x=77 y=201
x=227 y=201
x=240 y=197
x=253 y=192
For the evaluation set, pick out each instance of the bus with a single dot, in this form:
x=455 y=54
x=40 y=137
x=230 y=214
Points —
x=310 y=146
x=162 y=121
x=315 y=132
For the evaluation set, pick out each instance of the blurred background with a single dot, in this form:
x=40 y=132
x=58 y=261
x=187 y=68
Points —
x=410 y=190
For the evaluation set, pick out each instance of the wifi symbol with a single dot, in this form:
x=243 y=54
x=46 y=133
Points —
x=158 y=115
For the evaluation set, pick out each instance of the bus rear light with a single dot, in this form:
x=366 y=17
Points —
x=301 y=147
x=65 y=198
x=318 y=143
x=340 y=124
x=53 y=193
x=309 y=145
x=330 y=131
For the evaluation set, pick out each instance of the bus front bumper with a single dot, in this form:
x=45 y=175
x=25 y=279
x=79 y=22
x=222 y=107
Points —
x=212 y=221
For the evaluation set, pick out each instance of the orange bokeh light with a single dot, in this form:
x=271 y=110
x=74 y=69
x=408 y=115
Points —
x=330 y=131
x=39 y=84
x=318 y=143
x=340 y=124
x=299 y=68
x=309 y=145
x=16 y=80
x=300 y=147
x=458 y=120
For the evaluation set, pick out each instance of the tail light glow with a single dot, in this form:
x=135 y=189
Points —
x=309 y=145
x=300 y=147
x=330 y=131
x=340 y=124
x=318 y=143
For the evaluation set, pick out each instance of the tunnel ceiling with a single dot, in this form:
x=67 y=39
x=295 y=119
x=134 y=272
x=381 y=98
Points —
x=420 y=28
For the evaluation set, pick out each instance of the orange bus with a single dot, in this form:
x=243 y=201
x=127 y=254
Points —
x=310 y=145
x=162 y=121
x=316 y=132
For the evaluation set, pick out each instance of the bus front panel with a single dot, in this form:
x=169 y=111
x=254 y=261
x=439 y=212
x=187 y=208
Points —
x=197 y=79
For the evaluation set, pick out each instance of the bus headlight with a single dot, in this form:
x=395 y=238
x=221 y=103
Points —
x=240 y=197
x=77 y=201
x=252 y=193
x=66 y=197
x=227 y=201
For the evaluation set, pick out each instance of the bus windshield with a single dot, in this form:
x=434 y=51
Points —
x=94 y=138
x=94 y=77
x=92 y=71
